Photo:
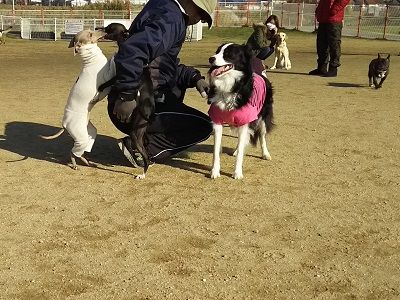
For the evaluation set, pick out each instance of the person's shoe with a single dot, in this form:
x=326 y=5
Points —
x=133 y=157
x=317 y=72
x=332 y=72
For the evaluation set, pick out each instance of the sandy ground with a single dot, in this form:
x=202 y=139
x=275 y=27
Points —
x=319 y=221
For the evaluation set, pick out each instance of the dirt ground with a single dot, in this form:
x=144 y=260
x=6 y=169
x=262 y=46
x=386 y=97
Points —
x=319 y=221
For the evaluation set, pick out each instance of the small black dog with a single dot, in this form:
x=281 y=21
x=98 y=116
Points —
x=115 y=32
x=378 y=68
x=145 y=103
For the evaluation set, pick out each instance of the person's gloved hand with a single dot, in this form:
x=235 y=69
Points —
x=202 y=87
x=124 y=106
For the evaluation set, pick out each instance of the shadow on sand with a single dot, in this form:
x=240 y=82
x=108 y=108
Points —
x=181 y=160
x=23 y=138
x=286 y=72
x=346 y=85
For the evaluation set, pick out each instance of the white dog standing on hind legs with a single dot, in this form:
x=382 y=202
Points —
x=282 y=59
x=96 y=70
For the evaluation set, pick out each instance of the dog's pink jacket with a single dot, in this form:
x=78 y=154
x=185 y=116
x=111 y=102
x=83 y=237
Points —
x=245 y=114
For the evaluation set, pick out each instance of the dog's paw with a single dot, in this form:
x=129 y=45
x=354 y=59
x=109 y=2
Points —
x=238 y=175
x=267 y=156
x=140 y=176
x=215 y=174
x=371 y=85
x=272 y=68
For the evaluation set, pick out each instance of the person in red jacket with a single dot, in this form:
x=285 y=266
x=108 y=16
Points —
x=329 y=14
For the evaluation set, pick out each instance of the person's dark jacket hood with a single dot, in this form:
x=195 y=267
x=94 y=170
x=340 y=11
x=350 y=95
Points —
x=155 y=39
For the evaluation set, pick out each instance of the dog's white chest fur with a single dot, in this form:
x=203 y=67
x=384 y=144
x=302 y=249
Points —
x=224 y=98
x=96 y=70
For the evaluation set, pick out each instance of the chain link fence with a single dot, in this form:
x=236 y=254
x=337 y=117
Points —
x=365 y=21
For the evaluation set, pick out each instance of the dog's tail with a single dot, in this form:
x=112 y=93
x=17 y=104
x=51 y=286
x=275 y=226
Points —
x=267 y=110
x=50 y=137
x=267 y=114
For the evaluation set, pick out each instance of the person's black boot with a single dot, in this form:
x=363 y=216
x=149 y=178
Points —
x=332 y=72
x=320 y=71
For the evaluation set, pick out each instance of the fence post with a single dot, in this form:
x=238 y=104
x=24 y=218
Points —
x=216 y=16
x=315 y=19
x=298 y=16
x=359 y=20
x=282 y=15
x=248 y=13
x=2 y=25
x=302 y=15
x=55 y=29
x=129 y=10
x=270 y=8
x=386 y=21
x=42 y=15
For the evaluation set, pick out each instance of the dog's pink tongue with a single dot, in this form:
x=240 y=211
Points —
x=217 y=71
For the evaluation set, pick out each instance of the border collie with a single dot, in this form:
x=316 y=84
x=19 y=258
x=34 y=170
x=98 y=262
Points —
x=241 y=99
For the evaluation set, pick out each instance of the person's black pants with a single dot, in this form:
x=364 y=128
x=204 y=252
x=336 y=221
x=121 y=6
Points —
x=328 y=45
x=173 y=128
x=265 y=52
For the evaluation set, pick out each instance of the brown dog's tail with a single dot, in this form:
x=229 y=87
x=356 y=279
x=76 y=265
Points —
x=50 y=137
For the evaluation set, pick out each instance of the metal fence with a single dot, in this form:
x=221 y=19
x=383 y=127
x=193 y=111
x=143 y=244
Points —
x=366 y=21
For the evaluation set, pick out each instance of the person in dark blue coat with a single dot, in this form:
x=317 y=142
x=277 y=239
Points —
x=155 y=39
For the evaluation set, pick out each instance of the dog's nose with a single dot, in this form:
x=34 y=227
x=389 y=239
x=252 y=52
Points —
x=211 y=60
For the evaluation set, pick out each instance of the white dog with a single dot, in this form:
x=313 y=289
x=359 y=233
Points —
x=96 y=70
x=281 y=53
x=3 y=34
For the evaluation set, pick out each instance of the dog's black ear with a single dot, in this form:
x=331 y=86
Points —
x=379 y=55
x=388 y=57
x=248 y=50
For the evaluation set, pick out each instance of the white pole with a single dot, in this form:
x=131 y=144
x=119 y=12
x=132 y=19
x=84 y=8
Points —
x=13 y=8
x=55 y=29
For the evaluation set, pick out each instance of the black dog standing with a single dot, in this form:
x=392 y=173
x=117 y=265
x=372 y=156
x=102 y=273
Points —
x=378 y=68
x=145 y=105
